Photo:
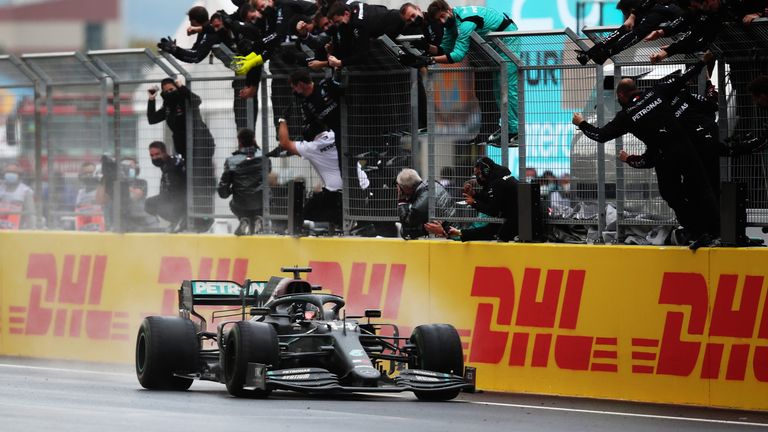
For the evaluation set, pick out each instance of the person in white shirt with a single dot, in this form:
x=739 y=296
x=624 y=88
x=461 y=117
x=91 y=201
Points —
x=324 y=205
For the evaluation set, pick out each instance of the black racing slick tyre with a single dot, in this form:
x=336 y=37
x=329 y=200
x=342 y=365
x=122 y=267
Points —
x=248 y=342
x=438 y=349
x=164 y=346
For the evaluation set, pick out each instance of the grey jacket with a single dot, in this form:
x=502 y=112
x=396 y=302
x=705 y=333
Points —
x=414 y=213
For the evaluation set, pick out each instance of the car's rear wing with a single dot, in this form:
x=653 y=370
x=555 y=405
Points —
x=219 y=293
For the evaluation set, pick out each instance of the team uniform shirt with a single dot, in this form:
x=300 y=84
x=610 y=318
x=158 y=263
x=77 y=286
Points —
x=470 y=19
x=321 y=153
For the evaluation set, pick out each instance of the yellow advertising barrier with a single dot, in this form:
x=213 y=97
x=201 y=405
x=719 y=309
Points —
x=638 y=323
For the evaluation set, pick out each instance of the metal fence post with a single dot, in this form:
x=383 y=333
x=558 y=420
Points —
x=266 y=124
x=602 y=202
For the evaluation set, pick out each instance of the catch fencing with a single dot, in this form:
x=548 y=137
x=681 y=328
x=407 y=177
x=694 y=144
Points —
x=68 y=110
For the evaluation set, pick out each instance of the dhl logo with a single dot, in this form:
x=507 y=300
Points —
x=729 y=328
x=703 y=344
x=65 y=297
x=65 y=300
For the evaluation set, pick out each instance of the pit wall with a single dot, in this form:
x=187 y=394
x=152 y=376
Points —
x=635 y=323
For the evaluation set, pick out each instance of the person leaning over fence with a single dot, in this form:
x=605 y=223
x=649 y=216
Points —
x=641 y=18
x=319 y=104
x=170 y=203
x=497 y=198
x=277 y=24
x=326 y=204
x=698 y=28
x=17 y=200
x=458 y=25
x=178 y=103
x=413 y=203
x=242 y=180
x=246 y=43
x=682 y=179
x=209 y=32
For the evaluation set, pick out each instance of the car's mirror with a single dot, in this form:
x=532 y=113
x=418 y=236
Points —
x=373 y=313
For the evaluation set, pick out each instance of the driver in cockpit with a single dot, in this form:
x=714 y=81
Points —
x=303 y=312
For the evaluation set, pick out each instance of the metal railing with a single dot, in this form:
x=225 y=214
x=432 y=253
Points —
x=69 y=109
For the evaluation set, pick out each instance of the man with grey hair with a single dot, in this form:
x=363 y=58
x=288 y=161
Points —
x=413 y=203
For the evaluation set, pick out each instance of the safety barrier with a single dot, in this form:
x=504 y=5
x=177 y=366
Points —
x=587 y=321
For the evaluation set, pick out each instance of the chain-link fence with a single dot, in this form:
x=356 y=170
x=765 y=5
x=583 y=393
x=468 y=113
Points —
x=75 y=120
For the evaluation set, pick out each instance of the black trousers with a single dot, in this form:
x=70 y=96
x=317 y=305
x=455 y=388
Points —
x=240 y=105
x=324 y=206
x=171 y=210
x=686 y=187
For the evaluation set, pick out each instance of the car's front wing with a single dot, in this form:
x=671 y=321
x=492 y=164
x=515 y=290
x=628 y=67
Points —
x=317 y=380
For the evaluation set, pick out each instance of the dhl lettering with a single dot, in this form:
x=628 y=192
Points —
x=330 y=276
x=536 y=347
x=697 y=335
x=680 y=350
x=67 y=306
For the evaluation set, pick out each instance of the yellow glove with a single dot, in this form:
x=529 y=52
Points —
x=241 y=65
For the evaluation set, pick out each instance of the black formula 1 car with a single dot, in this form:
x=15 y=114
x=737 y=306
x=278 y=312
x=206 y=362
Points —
x=289 y=336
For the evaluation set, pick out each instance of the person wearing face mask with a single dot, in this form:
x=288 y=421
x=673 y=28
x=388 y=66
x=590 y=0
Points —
x=458 y=25
x=89 y=211
x=178 y=103
x=681 y=175
x=17 y=200
x=497 y=198
x=135 y=217
x=170 y=204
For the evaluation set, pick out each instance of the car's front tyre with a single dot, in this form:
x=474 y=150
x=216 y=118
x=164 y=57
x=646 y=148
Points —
x=438 y=349
x=248 y=342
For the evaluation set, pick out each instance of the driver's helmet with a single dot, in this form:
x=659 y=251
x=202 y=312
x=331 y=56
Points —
x=304 y=311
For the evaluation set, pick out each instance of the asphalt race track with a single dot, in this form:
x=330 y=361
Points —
x=40 y=395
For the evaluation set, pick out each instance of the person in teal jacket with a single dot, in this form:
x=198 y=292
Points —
x=459 y=23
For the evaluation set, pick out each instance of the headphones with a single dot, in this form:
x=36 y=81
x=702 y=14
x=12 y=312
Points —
x=485 y=169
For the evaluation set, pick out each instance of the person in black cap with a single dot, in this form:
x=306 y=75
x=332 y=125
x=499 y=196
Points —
x=497 y=198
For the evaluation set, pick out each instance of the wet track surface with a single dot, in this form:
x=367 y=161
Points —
x=37 y=394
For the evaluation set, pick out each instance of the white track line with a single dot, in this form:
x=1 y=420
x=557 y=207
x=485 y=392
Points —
x=535 y=407
x=52 y=369
x=617 y=413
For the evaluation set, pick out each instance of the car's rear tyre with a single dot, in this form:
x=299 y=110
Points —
x=248 y=342
x=164 y=346
x=438 y=349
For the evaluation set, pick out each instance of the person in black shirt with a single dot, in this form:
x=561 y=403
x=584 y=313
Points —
x=170 y=204
x=178 y=103
x=210 y=32
x=354 y=26
x=277 y=23
x=246 y=40
x=642 y=17
x=699 y=28
x=682 y=179
x=319 y=103
x=497 y=198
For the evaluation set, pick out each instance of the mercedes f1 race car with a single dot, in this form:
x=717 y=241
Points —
x=289 y=336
